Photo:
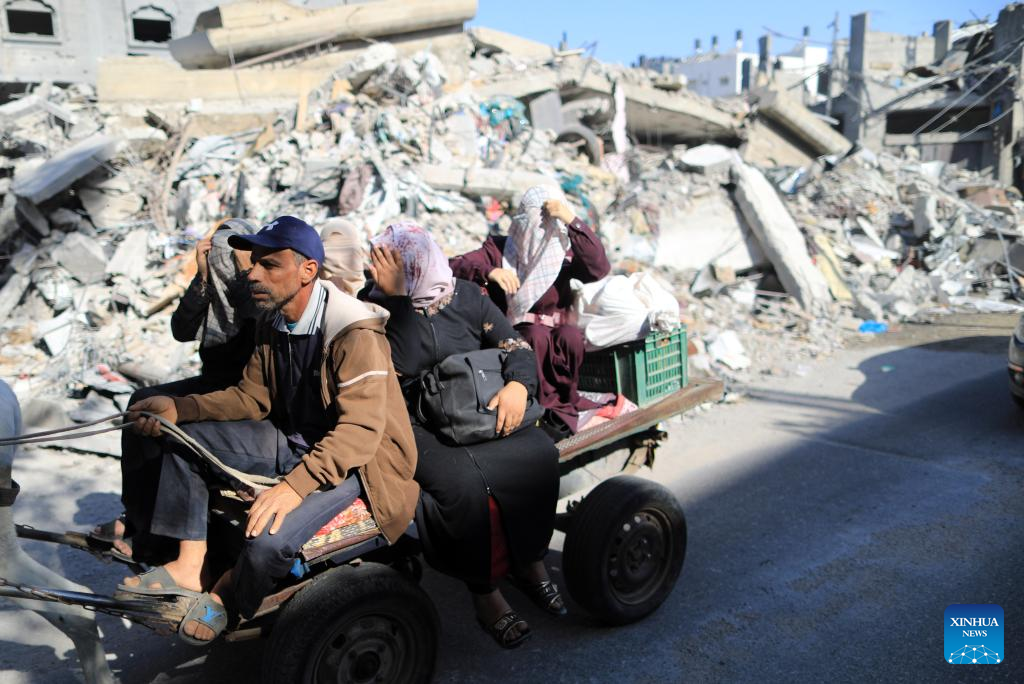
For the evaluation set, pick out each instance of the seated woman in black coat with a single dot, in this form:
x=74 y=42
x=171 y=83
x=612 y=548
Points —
x=514 y=477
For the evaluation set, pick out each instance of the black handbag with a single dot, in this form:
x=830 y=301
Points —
x=453 y=397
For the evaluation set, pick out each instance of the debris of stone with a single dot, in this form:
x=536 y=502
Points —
x=60 y=171
x=777 y=239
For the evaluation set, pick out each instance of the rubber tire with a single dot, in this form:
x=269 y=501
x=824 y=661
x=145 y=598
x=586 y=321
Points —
x=1017 y=400
x=342 y=597
x=591 y=542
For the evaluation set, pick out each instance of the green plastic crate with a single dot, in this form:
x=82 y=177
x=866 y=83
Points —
x=644 y=370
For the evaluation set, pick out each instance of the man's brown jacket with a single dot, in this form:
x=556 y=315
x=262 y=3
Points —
x=359 y=389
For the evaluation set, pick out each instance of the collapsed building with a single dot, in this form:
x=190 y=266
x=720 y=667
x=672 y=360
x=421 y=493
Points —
x=777 y=235
x=953 y=96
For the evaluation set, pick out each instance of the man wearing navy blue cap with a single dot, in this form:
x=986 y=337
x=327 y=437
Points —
x=318 y=404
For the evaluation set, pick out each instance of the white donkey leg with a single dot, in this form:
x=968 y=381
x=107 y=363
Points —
x=77 y=623
x=16 y=566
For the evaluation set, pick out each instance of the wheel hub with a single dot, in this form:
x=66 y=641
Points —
x=637 y=559
x=364 y=651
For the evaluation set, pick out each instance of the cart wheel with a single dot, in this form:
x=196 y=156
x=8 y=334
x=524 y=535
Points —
x=355 y=624
x=624 y=549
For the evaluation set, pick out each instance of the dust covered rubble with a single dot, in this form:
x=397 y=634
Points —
x=101 y=212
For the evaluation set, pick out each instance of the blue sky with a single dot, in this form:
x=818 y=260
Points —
x=625 y=29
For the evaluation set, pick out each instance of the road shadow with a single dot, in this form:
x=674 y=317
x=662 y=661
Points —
x=822 y=560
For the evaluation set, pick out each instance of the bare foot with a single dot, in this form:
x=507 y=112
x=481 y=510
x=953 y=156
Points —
x=197 y=629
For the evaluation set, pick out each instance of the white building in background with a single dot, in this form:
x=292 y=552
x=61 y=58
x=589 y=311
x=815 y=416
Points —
x=803 y=67
x=722 y=74
x=717 y=74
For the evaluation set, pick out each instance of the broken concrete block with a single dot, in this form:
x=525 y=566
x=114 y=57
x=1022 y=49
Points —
x=65 y=220
x=442 y=177
x=925 y=218
x=56 y=332
x=130 y=259
x=709 y=159
x=31 y=215
x=780 y=237
x=728 y=349
x=11 y=294
x=988 y=197
x=54 y=286
x=477 y=182
x=670 y=82
x=546 y=111
x=59 y=172
x=867 y=308
x=8 y=216
x=110 y=202
x=82 y=257
x=357 y=70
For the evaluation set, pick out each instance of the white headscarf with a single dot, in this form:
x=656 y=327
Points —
x=345 y=255
x=535 y=250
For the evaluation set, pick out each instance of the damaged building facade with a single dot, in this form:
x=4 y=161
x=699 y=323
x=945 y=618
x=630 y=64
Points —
x=952 y=96
x=63 y=40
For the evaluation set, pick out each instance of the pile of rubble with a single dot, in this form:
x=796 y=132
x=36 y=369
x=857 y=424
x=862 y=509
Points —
x=901 y=236
x=104 y=204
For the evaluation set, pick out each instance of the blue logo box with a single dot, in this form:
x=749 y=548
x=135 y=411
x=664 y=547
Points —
x=974 y=634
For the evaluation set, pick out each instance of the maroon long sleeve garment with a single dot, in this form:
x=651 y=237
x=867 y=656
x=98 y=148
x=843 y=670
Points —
x=559 y=350
x=585 y=261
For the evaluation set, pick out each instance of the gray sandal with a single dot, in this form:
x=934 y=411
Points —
x=208 y=612
x=168 y=587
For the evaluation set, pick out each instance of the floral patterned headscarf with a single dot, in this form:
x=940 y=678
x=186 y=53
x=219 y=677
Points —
x=428 y=277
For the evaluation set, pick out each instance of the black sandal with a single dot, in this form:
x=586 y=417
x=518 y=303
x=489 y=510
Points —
x=545 y=595
x=501 y=630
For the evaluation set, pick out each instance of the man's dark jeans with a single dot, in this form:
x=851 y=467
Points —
x=181 y=507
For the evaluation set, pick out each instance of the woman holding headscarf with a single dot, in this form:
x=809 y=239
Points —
x=477 y=497
x=216 y=310
x=527 y=275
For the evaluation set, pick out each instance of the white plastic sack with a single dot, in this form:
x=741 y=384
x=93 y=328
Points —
x=623 y=308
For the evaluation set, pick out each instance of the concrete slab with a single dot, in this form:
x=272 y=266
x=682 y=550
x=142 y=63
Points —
x=82 y=257
x=130 y=259
x=60 y=171
x=709 y=231
x=489 y=41
x=782 y=240
x=11 y=293
x=801 y=122
x=477 y=182
x=258 y=28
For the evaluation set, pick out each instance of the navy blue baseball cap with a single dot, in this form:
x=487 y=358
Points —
x=284 y=232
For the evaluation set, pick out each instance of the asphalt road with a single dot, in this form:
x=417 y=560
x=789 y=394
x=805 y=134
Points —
x=832 y=519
